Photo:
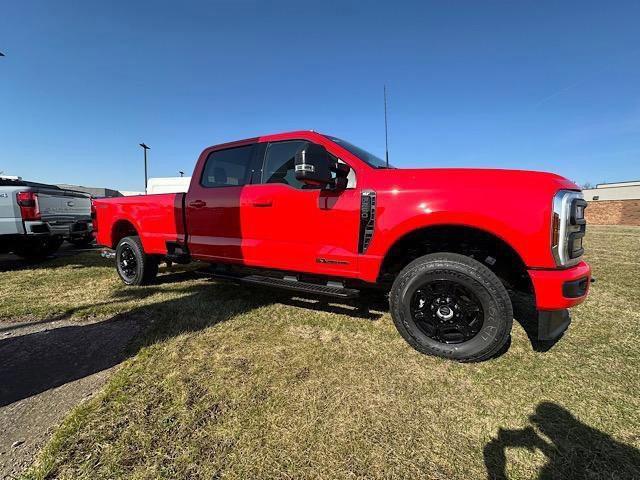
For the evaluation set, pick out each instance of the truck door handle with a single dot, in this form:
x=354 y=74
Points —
x=263 y=203
x=197 y=204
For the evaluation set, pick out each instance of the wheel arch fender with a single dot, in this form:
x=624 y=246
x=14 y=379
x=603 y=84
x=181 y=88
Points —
x=408 y=232
x=123 y=227
x=488 y=225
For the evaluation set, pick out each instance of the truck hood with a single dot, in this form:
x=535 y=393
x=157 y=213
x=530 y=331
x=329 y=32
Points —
x=513 y=205
x=483 y=179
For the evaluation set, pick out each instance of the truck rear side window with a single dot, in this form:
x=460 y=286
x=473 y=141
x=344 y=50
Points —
x=227 y=168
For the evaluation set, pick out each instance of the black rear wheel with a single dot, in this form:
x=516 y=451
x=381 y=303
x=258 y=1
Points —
x=134 y=266
x=452 y=306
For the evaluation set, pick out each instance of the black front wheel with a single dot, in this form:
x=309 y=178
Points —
x=452 y=306
x=134 y=266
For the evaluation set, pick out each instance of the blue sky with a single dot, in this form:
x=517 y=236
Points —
x=541 y=85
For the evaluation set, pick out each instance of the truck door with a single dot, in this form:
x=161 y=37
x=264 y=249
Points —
x=212 y=204
x=289 y=226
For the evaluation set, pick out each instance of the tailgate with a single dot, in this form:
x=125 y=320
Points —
x=10 y=218
x=63 y=206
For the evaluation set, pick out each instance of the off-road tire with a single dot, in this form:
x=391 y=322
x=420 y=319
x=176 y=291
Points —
x=146 y=266
x=472 y=275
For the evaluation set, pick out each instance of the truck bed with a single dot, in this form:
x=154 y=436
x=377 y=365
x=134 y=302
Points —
x=156 y=218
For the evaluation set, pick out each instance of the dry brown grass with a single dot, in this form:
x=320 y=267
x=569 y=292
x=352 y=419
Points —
x=240 y=383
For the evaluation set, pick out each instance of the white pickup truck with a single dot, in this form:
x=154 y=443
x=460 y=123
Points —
x=36 y=218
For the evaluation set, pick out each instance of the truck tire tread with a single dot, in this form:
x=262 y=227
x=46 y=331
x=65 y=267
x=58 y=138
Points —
x=148 y=263
x=461 y=266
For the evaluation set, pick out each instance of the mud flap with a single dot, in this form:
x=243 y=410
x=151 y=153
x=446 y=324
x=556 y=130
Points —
x=552 y=323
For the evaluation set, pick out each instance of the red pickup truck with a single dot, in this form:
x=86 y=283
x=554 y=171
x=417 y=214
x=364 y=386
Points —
x=316 y=214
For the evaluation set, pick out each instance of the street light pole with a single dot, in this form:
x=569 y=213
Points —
x=145 y=148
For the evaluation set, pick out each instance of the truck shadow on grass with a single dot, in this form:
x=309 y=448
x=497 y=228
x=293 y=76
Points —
x=356 y=308
x=372 y=307
x=573 y=450
x=124 y=295
x=35 y=362
x=67 y=256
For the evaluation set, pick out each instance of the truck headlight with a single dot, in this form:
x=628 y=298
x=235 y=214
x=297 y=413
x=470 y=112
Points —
x=568 y=227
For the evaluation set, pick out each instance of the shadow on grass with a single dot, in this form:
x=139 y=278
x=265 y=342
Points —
x=357 y=308
x=36 y=362
x=573 y=450
x=64 y=258
x=119 y=296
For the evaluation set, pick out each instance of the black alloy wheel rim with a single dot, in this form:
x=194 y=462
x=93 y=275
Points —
x=446 y=311
x=128 y=262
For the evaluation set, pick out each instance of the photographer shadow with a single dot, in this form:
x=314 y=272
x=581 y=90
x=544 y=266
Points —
x=573 y=450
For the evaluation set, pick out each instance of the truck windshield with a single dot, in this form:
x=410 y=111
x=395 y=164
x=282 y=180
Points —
x=363 y=155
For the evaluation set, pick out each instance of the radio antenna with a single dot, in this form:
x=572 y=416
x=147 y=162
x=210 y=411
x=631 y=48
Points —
x=386 y=132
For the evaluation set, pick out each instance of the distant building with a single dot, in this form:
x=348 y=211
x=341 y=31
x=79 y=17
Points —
x=168 y=184
x=130 y=193
x=613 y=204
x=613 y=191
x=96 y=192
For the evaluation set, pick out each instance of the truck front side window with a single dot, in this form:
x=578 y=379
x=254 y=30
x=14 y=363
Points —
x=279 y=163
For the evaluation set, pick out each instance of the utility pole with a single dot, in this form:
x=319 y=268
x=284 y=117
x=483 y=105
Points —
x=145 y=148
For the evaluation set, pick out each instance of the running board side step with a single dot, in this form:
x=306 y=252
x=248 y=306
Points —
x=291 y=284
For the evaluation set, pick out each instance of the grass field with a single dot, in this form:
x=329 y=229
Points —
x=231 y=382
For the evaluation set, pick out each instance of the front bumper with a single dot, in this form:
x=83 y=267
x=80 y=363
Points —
x=556 y=291
x=559 y=289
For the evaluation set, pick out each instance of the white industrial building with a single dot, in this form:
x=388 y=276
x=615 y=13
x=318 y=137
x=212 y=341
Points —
x=613 y=191
x=168 y=184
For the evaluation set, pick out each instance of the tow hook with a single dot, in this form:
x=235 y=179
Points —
x=107 y=253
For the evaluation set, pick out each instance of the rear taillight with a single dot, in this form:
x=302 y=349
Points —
x=28 y=202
